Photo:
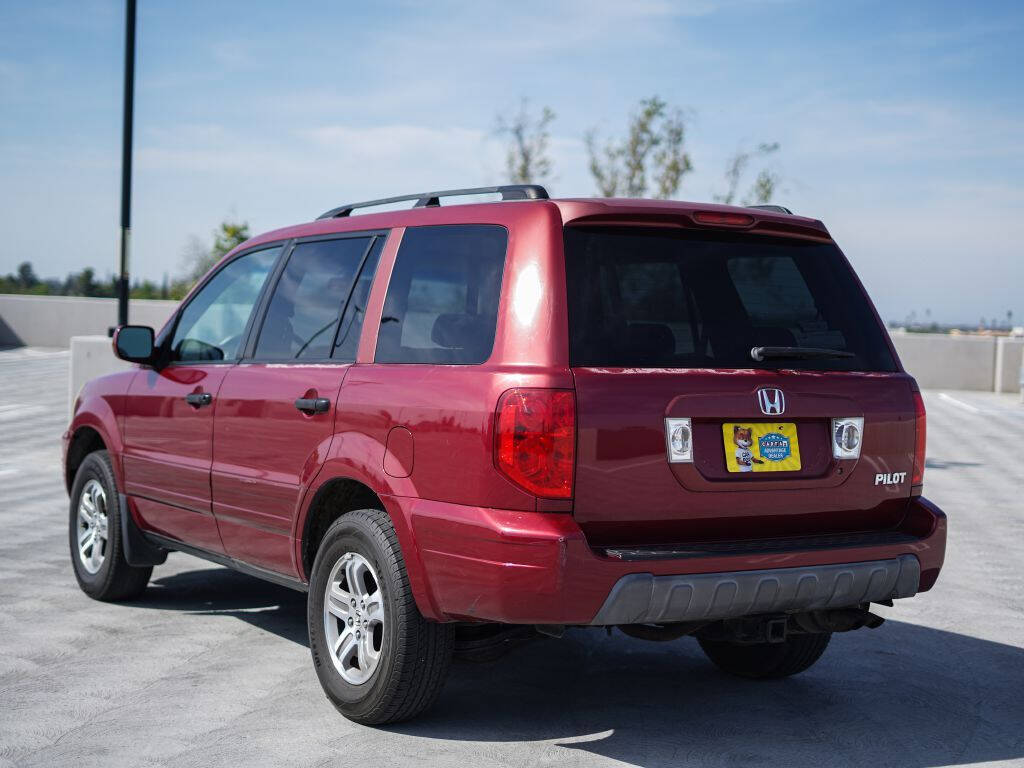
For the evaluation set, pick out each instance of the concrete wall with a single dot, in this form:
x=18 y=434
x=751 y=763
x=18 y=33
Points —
x=1009 y=374
x=51 y=321
x=942 y=361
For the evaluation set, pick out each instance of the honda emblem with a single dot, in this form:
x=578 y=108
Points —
x=772 y=401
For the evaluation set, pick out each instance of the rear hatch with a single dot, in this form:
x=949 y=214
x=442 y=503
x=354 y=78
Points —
x=662 y=322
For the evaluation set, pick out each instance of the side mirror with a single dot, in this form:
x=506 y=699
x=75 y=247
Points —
x=134 y=343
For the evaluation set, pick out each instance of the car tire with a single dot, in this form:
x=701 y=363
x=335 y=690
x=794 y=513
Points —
x=378 y=660
x=766 y=661
x=94 y=535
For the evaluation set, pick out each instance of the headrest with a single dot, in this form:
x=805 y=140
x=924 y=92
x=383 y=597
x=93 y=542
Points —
x=456 y=331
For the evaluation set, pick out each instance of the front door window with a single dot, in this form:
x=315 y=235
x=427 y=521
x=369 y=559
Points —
x=212 y=326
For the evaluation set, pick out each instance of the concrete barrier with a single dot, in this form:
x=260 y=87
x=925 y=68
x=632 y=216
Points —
x=51 y=321
x=1009 y=364
x=947 y=361
x=91 y=356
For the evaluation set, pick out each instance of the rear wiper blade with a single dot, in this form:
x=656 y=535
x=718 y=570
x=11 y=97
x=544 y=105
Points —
x=763 y=353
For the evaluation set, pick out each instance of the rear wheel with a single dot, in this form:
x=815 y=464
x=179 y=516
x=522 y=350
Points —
x=94 y=535
x=763 y=661
x=378 y=660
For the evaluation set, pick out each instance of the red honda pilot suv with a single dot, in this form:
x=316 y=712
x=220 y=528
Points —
x=457 y=425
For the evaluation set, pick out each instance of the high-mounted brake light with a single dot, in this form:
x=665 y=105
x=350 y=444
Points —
x=723 y=219
x=920 y=433
x=535 y=440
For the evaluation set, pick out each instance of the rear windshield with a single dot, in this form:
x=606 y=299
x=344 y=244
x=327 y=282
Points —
x=656 y=298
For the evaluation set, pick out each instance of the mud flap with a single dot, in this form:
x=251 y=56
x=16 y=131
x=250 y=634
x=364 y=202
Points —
x=138 y=551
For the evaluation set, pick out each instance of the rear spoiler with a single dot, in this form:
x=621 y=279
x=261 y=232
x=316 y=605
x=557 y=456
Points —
x=780 y=225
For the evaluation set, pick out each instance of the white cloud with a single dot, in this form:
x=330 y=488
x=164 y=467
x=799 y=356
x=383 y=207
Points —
x=511 y=32
x=904 y=130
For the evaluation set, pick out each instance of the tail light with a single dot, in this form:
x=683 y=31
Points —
x=920 y=432
x=535 y=440
x=847 y=435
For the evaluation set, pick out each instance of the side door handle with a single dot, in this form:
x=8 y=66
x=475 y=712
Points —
x=311 y=405
x=198 y=399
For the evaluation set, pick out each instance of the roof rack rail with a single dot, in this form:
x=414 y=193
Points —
x=430 y=199
x=773 y=208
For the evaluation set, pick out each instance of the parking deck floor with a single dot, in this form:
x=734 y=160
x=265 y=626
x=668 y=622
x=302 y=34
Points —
x=211 y=667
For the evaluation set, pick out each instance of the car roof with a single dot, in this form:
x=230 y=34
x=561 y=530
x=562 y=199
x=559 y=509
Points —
x=579 y=210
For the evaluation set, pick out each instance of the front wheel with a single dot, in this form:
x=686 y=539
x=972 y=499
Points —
x=763 y=661
x=378 y=660
x=94 y=535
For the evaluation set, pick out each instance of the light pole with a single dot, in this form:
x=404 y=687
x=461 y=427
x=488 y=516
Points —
x=126 y=162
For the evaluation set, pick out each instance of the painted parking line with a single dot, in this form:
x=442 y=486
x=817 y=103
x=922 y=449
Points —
x=959 y=403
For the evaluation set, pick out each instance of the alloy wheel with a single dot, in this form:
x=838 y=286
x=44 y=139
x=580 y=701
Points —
x=354 y=618
x=93 y=526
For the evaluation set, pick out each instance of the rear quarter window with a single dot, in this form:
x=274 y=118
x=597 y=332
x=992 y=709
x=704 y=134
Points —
x=660 y=298
x=442 y=300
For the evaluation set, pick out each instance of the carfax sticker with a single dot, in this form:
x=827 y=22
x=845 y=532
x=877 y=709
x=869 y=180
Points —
x=767 y=447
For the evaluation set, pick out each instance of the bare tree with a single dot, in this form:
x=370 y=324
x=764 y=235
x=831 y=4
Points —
x=652 y=155
x=764 y=186
x=763 y=189
x=198 y=257
x=527 y=160
x=195 y=258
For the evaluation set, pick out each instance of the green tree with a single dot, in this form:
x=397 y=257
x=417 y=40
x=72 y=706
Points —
x=27 y=276
x=145 y=289
x=81 y=283
x=763 y=189
x=526 y=159
x=652 y=158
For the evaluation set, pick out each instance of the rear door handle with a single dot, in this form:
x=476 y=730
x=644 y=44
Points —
x=198 y=399
x=311 y=405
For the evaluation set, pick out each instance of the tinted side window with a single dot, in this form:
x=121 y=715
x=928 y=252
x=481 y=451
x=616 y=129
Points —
x=442 y=302
x=211 y=326
x=347 y=342
x=308 y=299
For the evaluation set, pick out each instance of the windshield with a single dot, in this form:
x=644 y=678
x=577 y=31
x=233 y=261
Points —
x=659 y=298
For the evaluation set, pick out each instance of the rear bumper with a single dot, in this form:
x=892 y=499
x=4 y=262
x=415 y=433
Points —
x=537 y=568
x=641 y=598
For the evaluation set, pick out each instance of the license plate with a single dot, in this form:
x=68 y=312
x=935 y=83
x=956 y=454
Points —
x=761 y=447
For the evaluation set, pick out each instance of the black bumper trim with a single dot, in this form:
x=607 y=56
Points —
x=643 y=598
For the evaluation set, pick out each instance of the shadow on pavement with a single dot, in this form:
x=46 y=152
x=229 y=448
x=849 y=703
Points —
x=224 y=592
x=900 y=695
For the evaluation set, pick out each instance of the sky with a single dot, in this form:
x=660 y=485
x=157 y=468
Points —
x=900 y=124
